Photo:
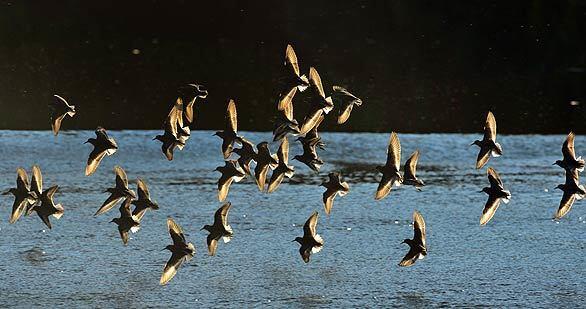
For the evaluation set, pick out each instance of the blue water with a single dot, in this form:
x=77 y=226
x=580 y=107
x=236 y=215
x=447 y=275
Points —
x=521 y=258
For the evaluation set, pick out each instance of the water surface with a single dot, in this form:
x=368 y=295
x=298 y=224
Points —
x=521 y=258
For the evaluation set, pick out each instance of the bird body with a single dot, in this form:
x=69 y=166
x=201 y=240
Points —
x=334 y=186
x=144 y=202
x=59 y=109
x=127 y=222
x=23 y=196
x=346 y=100
x=230 y=172
x=391 y=175
x=409 y=177
x=573 y=191
x=117 y=193
x=246 y=154
x=229 y=136
x=181 y=251
x=47 y=207
x=570 y=161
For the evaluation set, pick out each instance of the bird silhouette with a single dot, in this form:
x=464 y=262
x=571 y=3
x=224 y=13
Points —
x=496 y=192
x=117 y=193
x=417 y=245
x=334 y=186
x=488 y=145
x=59 y=109
x=181 y=251
x=390 y=170
x=220 y=228
x=311 y=242
x=103 y=145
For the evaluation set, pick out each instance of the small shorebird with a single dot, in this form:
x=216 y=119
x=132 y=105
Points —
x=144 y=202
x=127 y=222
x=230 y=172
x=488 y=145
x=220 y=228
x=410 y=168
x=311 y=242
x=59 y=109
x=333 y=186
x=169 y=141
x=315 y=80
x=47 y=207
x=293 y=79
x=246 y=154
x=181 y=251
x=390 y=170
x=117 y=193
x=229 y=136
x=496 y=192
x=417 y=245
x=570 y=161
x=347 y=101
x=36 y=187
x=191 y=92
x=283 y=168
x=264 y=161
x=285 y=123
x=23 y=196
x=573 y=191
x=103 y=145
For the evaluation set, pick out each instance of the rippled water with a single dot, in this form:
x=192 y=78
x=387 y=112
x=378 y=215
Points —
x=522 y=258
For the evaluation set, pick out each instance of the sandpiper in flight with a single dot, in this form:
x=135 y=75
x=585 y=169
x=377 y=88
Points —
x=570 y=161
x=488 y=145
x=117 y=193
x=127 y=222
x=264 y=161
x=47 y=207
x=229 y=136
x=390 y=170
x=220 y=228
x=417 y=245
x=103 y=145
x=22 y=195
x=144 y=202
x=496 y=192
x=333 y=186
x=347 y=102
x=410 y=168
x=573 y=191
x=181 y=251
x=311 y=242
x=246 y=154
x=283 y=168
x=230 y=172
x=59 y=109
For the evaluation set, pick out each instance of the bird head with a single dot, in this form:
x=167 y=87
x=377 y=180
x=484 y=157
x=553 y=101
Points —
x=561 y=187
x=168 y=247
x=477 y=143
x=115 y=220
x=485 y=190
x=297 y=157
x=207 y=228
x=90 y=140
x=11 y=190
x=558 y=162
x=158 y=137
x=298 y=239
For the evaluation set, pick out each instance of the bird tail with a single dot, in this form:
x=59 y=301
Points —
x=59 y=212
x=302 y=88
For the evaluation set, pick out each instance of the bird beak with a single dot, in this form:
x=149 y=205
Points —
x=6 y=192
x=553 y=163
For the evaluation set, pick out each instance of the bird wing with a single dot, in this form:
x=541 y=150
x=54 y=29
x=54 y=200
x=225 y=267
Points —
x=212 y=244
x=492 y=204
x=221 y=215
x=572 y=177
x=121 y=178
x=490 y=127
x=328 y=199
x=224 y=186
x=394 y=151
x=315 y=80
x=409 y=258
x=125 y=211
x=260 y=174
x=176 y=232
x=49 y=193
x=143 y=190
x=384 y=187
x=494 y=179
x=345 y=114
x=286 y=103
x=45 y=219
x=411 y=165
x=22 y=180
x=18 y=208
x=291 y=58
x=418 y=228
x=123 y=235
x=108 y=204
x=171 y=268
x=283 y=152
x=311 y=121
x=309 y=229
x=37 y=180
x=276 y=179
x=56 y=122
x=565 y=205
x=232 y=116
x=94 y=160
x=483 y=157
x=568 y=148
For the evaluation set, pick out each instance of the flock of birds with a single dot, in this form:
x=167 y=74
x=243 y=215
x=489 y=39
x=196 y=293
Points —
x=31 y=197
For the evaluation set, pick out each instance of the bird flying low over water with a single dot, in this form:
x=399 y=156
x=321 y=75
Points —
x=36 y=187
x=311 y=242
x=144 y=202
x=390 y=170
x=417 y=245
x=488 y=145
x=570 y=161
x=283 y=168
x=573 y=191
x=59 y=109
x=246 y=154
x=264 y=161
x=23 y=196
x=496 y=192
x=103 y=145
x=181 y=251
x=229 y=136
x=220 y=229
x=285 y=123
x=409 y=177
x=127 y=222
x=230 y=172
x=346 y=100
x=47 y=207
x=293 y=78
x=333 y=186
x=117 y=193
x=310 y=142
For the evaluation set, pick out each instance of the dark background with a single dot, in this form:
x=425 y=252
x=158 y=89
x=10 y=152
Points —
x=420 y=66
